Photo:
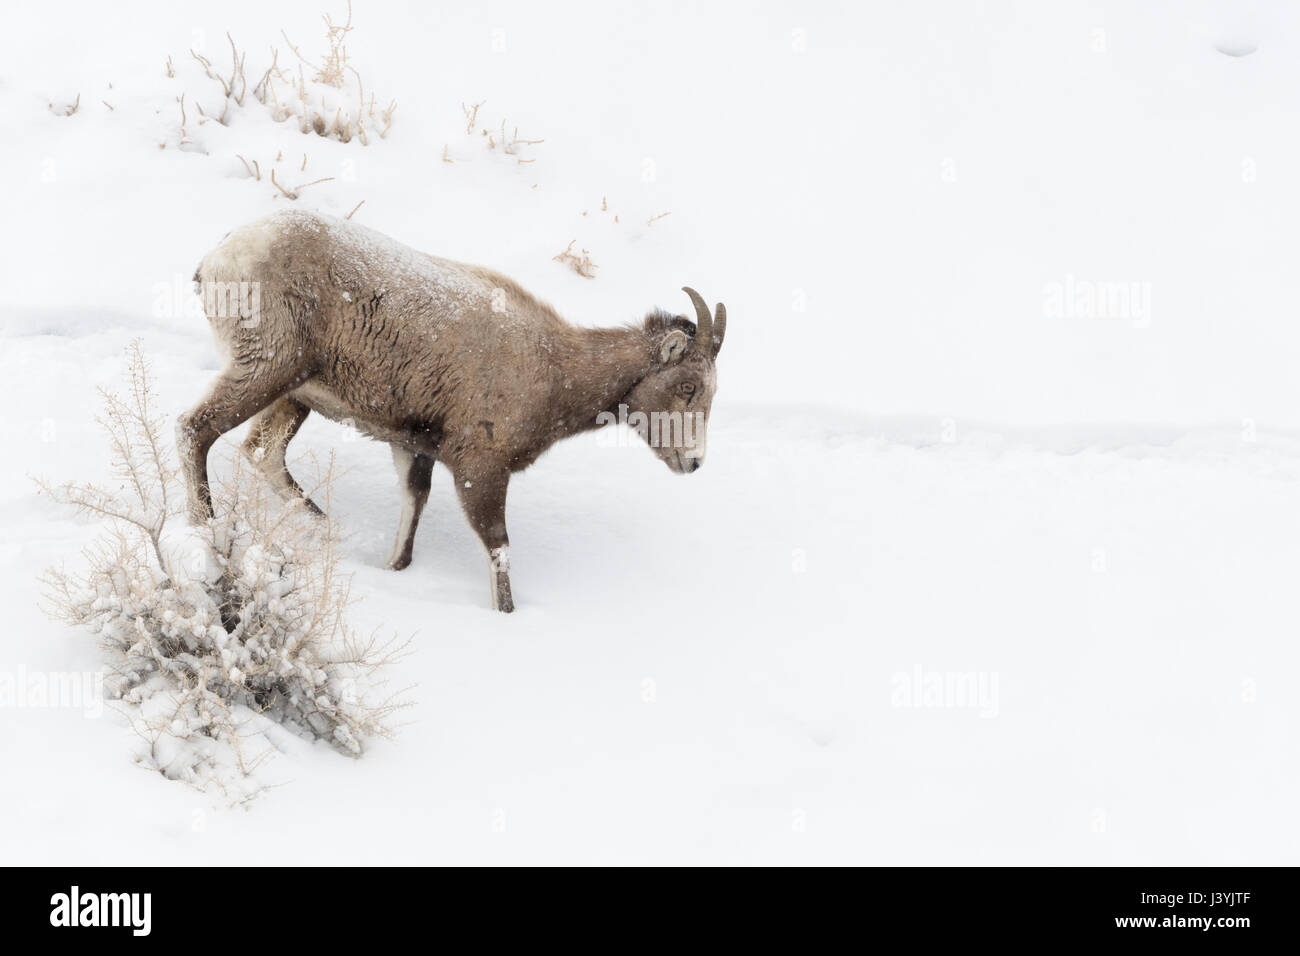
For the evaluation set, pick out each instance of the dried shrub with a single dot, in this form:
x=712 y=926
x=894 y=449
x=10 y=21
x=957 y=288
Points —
x=216 y=634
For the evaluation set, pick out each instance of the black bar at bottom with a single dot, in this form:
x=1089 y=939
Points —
x=1230 y=906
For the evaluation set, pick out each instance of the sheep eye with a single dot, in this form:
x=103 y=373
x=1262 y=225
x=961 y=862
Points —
x=686 y=388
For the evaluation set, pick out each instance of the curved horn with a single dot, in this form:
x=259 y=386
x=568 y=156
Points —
x=703 y=324
x=719 y=328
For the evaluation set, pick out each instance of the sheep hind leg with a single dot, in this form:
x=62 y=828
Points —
x=415 y=472
x=231 y=401
x=268 y=438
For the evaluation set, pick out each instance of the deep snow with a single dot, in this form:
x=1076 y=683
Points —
x=916 y=474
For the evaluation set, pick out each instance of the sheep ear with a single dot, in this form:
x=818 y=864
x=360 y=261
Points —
x=673 y=346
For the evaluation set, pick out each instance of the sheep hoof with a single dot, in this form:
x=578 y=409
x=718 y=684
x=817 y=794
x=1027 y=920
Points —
x=501 y=598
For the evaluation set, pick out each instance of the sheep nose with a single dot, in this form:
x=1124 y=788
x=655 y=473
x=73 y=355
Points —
x=694 y=464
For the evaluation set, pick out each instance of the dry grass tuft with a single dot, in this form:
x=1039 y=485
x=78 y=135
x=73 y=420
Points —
x=333 y=68
x=324 y=105
x=510 y=144
x=237 y=82
x=580 y=264
x=67 y=109
x=332 y=72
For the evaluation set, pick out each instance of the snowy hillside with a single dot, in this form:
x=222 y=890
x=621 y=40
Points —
x=991 y=560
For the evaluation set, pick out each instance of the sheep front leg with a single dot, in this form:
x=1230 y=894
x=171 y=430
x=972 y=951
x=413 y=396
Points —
x=484 y=499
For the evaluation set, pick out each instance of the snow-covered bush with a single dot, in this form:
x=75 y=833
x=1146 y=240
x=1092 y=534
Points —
x=215 y=634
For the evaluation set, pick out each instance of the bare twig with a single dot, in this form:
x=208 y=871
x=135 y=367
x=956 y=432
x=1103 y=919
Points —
x=254 y=174
x=236 y=72
x=294 y=193
x=471 y=115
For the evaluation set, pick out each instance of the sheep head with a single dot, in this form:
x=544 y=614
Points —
x=670 y=406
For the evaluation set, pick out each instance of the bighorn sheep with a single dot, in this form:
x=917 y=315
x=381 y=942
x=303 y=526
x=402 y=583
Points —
x=440 y=359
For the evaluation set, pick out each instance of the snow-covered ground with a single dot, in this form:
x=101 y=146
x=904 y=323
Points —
x=978 y=571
